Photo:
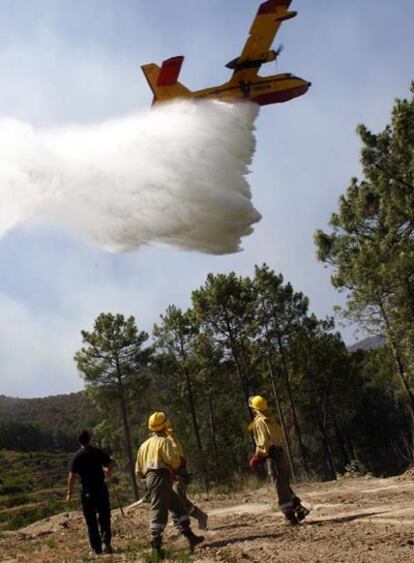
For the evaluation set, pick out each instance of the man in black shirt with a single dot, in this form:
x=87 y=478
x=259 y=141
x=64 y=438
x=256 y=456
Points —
x=91 y=464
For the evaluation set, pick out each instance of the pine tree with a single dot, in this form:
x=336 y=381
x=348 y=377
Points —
x=112 y=363
x=371 y=245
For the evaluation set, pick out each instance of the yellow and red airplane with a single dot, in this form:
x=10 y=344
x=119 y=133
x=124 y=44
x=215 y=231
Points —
x=245 y=82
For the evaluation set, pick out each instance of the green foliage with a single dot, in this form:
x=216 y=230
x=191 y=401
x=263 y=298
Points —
x=355 y=468
x=371 y=246
x=14 y=499
x=241 y=336
x=33 y=486
x=52 y=543
x=28 y=514
x=244 y=336
x=174 y=338
x=113 y=364
x=30 y=424
x=112 y=356
x=225 y=309
x=15 y=484
x=169 y=554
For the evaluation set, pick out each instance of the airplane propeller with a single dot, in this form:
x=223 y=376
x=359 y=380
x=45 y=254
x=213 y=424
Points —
x=279 y=49
x=277 y=53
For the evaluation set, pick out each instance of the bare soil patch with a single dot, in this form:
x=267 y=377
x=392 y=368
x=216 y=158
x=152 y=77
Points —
x=358 y=520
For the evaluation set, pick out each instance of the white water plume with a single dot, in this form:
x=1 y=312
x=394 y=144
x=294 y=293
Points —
x=174 y=175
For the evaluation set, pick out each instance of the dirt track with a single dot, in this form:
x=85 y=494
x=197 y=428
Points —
x=353 y=520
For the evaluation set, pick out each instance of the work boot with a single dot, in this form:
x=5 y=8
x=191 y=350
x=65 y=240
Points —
x=192 y=539
x=202 y=520
x=107 y=548
x=157 y=551
x=200 y=516
x=301 y=513
x=291 y=517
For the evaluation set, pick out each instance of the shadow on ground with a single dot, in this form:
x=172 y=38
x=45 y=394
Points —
x=344 y=519
x=223 y=543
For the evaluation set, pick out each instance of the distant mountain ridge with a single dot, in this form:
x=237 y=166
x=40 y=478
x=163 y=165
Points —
x=370 y=343
x=45 y=410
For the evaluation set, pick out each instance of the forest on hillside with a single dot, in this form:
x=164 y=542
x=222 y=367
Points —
x=48 y=424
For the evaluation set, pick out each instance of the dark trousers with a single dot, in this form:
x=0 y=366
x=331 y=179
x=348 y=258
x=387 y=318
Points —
x=96 y=508
x=180 y=487
x=279 y=473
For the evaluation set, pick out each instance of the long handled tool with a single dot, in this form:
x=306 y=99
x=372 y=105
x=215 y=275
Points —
x=143 y=500
x=114 y=487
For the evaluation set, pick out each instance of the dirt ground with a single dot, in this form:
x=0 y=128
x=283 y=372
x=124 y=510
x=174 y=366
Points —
x=356 y=520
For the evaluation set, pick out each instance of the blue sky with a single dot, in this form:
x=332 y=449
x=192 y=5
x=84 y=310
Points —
x=78 y=61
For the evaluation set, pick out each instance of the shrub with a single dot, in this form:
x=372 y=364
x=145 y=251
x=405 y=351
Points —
x=13 y=485
x=16 y=500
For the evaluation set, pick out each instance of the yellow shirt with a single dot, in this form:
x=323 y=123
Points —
x=266 y=432
x=156 y=453
x=176 y=443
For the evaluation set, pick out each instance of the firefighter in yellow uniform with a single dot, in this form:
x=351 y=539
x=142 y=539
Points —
x=268 y=438
x=157 y=460
x=183 y=478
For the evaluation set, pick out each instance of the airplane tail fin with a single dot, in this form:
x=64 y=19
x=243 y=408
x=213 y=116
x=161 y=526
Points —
x=164 y=81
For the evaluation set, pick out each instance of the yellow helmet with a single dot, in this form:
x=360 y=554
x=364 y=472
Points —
x=258 y=403
x=157 y=421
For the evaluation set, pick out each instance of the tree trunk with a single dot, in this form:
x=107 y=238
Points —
x=341 y=444
x=350 y=445
x=282 y=420
x=408 y=437
x=327 y=446
x=321 y=417
x=193 y=410
x=404 y=383
x=292 y=405
x=128 y=449
x=398 y=362
x=212 y=424
x=402 y=376
x=213 y=433
x=240 y=374
x=276 y=396
x=183 y=354
x=250 y=375
x=195 y=425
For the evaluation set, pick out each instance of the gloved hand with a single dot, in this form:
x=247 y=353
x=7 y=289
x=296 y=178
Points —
x=256 y=460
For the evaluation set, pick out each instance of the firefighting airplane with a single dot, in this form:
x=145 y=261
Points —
x=245 y=84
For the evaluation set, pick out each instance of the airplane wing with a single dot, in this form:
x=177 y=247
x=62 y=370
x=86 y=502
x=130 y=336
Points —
x=269 y=18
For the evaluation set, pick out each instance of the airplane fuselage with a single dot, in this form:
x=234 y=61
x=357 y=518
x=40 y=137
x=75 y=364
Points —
x=264 y=90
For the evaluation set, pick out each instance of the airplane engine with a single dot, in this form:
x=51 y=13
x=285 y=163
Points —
x=267 y=57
